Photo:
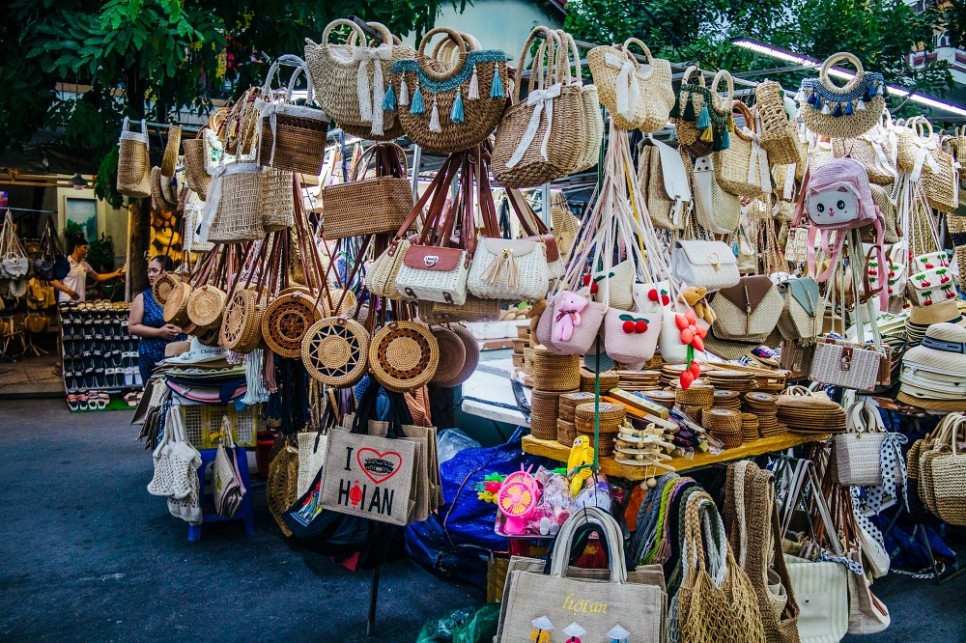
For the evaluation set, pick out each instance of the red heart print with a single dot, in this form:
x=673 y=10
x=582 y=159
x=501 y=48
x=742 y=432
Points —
x=378 y=467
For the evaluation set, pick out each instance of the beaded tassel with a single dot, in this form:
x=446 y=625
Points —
x=474 y=91
x=704 y=121
x=434 y=125
x=389 y=101
x=676 y=109
x=417 y=106
x=456 y=114
x=496 y=90
x=403 y=93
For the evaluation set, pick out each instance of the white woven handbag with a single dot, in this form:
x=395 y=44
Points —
x=434 y=274
x=711 y=264
x=857 y=451
x=509 y=269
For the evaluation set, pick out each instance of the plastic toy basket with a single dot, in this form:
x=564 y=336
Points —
x=203 y=424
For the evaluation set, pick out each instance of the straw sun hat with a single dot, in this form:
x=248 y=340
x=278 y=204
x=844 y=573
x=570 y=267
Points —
x=933 y=375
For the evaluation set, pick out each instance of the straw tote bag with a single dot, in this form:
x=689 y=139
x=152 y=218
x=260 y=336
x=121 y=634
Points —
x=742 y=169
x=664 y=183
x=196 y=160
x=715 y=209
x=747 y=312
x=777 y=130
x=842 y=112
x=555 y=599
x=948 y=473
x=593 y=133
x=638 y=96
x=942 y=185
x=542 y=138
x=375 y=205
x=134 y=163
x=352 y=83
x=444 y=109
x=876 y=150
x=856 y=452
x=702 y=115
x=292 y=137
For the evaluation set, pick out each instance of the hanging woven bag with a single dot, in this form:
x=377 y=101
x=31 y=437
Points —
x=638 y=96
x=134 y=163
x=842 y=112
x=777 y=130
x=196 y=160
x=702 y=116
x=742 y=168
x=449 y=109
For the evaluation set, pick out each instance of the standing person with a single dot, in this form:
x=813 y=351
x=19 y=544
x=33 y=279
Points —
x=147 y=321
x=73 y=287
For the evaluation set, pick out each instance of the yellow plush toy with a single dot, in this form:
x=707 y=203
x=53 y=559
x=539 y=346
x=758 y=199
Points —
x=694 y=296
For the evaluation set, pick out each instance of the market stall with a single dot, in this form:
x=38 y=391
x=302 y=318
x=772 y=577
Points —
x=754 y=292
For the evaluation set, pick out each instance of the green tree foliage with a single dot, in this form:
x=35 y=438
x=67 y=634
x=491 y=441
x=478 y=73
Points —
x=880 y=32
x=153 y=58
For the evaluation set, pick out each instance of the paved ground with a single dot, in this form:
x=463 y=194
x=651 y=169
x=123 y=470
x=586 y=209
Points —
x=88 y=555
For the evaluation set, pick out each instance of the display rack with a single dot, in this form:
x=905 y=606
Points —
x=98 y=352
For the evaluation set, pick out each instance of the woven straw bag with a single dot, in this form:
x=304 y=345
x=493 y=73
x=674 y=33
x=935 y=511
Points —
x=638 y=96
x=842 y=112
x=352 y=82
x=163 y=286
x=948 y=473
x=176 y=306
x=233 y=211
x=593 y=120
x=715 y=209
x=710 y=611
x=291 y=137
x=876 y=150
x=474 y=310
x=845 y=364
x=287 y=319
x=277 y=200
x=711 y=264
x=281 y=488
x=631 y=337
x=206 y=305
x=241 y=323
x=702 y=116
x=778 y=133
x=335 y=351
x=238 y=130
x=196 y=158
x=544 y=137
x=403 y=356
x=803 y=311
x=666 y=211
x=370 y=205
x=749 y=311
x=742 y=168
x=856 y=452
x=450 y=109
x=942 y=184
x=382 y=272
x=134 y=163
x=169 y=160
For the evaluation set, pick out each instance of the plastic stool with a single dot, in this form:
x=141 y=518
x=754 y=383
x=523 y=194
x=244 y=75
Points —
x=246 y=511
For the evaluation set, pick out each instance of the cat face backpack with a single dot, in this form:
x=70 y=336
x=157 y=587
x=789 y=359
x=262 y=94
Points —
x=837 y=199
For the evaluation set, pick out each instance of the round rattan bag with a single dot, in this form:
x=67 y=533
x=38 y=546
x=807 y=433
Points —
x=472 y=357
x=335 y=351
x=452 y=355
x=287 y=319
x=403 y=356
x=241 y=325
x=163 y=285
x=206 y=306
x=176 y=306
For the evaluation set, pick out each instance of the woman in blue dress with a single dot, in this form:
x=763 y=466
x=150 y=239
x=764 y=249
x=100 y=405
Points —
x=147 y=322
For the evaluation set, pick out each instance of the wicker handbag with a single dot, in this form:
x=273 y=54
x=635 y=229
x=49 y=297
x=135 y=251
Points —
x=233 y=211
x=292 y=137
x=842 y=112
x=663 y=180
x=593 y=132
x=856 y=452
x=638 y=96
x=474 y=310
x=876 y=150
x=529 y=150
x=335 y=351
x=241 y=326
x=948 y=472
x=715 y=209
x=176 y=306
x=352 y=83
x=702 y=116
x=777 y=130
x=277 y=199
x=846 y=364
x=447 y=110
x=711 y=264
x=134 y=163
x=169 y=160
x=287 y=319
x=375 y=205
x=196 y=161
x=803 y=311
x=747 y=312
x=403 y=356
x=942 y=184
x=742 y=168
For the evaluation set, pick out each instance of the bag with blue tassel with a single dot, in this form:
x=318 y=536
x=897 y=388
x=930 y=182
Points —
x=842 y=112
x=702 y=117
x=449 y=109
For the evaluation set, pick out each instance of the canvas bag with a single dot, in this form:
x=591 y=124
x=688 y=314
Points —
x=369 y=476
x=597 y=606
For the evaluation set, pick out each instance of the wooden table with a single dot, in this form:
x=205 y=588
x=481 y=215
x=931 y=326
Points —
x=556 y=451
